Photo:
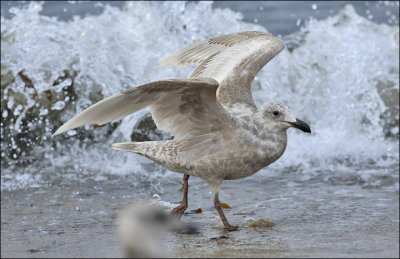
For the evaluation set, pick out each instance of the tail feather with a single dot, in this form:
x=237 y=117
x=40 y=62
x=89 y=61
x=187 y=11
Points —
x=162 y=152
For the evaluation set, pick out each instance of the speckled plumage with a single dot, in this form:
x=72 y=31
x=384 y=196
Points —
x=219 y=132
x=236 y=154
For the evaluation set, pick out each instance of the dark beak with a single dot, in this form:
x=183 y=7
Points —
x=301 y=125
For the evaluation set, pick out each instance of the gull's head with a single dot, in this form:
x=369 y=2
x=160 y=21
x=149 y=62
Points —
x=279 y=117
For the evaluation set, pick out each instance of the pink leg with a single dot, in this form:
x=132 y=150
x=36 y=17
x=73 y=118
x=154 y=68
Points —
x=217 y=205
x=180 y=209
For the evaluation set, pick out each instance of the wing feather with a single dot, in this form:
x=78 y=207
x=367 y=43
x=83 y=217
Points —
x=235 y=68
x=198 y=52
x=233 y=60
x=180 y=106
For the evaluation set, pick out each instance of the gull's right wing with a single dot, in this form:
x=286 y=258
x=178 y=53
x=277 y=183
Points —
x=183 y=107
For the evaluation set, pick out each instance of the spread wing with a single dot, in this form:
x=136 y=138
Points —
x=233 y=60
x=183 y=107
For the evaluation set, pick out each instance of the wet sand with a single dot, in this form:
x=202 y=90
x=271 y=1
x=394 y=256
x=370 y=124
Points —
x=314 y=216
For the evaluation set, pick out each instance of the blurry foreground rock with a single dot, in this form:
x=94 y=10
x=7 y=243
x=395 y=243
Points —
x=142 y=227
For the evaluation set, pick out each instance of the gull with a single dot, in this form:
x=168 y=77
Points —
x=218 y=131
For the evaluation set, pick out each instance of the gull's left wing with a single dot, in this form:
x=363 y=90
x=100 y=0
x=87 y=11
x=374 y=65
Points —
x=233 y=60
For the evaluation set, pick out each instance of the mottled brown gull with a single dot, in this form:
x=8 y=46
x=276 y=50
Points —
x=219 y=133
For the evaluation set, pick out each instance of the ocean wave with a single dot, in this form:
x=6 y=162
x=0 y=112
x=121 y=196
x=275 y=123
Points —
x=340 y=74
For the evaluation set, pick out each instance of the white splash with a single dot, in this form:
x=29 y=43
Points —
x=337 y=80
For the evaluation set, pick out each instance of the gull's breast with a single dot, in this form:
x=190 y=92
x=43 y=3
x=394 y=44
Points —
x=246 y=155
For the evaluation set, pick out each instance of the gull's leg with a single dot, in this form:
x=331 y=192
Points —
x=217 y=205
x=180 y=209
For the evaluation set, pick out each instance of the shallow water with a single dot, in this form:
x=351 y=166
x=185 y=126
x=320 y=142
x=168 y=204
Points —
x=313 y=218
x=333 y=193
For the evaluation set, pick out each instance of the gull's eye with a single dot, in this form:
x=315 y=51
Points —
x=276 y=113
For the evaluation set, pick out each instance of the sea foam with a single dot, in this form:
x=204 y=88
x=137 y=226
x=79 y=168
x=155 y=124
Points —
x=340 y=75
